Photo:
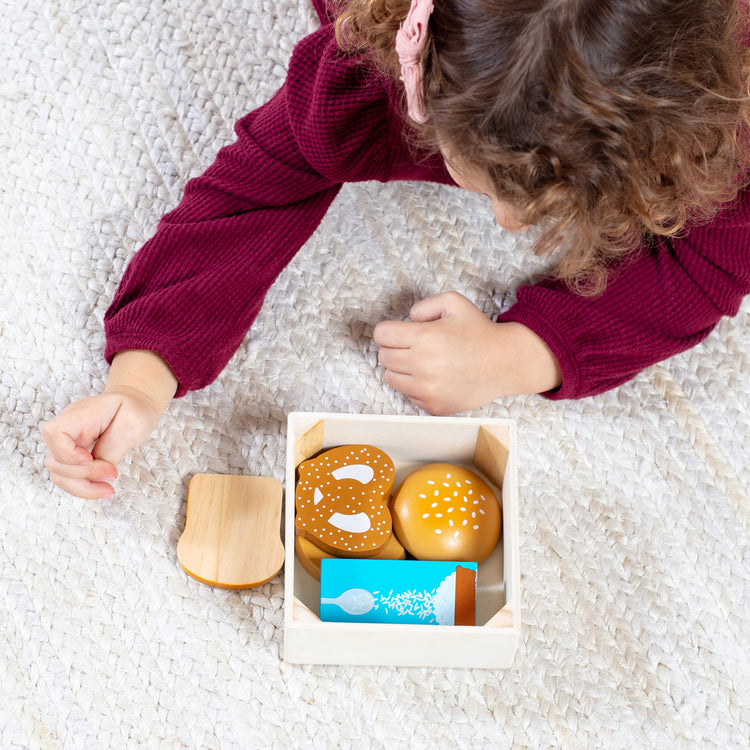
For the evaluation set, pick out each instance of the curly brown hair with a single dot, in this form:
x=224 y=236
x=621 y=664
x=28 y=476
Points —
x=603 y=122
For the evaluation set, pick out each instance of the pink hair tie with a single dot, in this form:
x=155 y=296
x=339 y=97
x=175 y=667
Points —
x=410 y=41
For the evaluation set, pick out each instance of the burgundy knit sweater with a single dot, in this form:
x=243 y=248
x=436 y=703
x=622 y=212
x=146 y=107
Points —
x=193 y=290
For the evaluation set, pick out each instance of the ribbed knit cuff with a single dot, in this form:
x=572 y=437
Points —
x=571 y=375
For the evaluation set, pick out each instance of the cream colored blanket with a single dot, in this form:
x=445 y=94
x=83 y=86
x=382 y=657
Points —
x=634 y=512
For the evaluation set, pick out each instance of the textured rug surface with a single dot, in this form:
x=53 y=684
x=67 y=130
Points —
x=634 y=513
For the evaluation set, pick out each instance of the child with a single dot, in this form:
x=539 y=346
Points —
x=618 y=128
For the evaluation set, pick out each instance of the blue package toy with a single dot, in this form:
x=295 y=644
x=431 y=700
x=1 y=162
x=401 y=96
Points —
x=398 y=591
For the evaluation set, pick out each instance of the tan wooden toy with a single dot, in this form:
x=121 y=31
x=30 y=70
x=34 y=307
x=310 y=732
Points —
x=232 y=536
x=446 y=512
x=342 y=500
x=310 y=554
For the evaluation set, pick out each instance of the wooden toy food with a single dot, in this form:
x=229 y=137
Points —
x=310 y=554
x=342 y=500
x=232 y=530
x=446 y=512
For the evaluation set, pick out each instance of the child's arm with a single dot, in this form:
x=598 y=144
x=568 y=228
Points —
x=449 y=357
x=192 y=292
x=86 y=441
x=552 y=341
x=662 y=302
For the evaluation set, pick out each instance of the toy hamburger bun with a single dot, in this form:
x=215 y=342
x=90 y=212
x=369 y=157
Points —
x=446 y=512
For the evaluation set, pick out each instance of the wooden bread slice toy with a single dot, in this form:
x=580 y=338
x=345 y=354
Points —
x=342 y=500
x=232 y=536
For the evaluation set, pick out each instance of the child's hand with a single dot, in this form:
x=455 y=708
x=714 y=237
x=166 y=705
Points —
x=450 y=357
x=86 y=441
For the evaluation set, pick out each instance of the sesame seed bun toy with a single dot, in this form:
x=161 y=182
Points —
x=446 y=512
x=342 y=500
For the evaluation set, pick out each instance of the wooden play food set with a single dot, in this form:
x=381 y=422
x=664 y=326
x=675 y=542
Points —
x=231 y=538
x=487 y=448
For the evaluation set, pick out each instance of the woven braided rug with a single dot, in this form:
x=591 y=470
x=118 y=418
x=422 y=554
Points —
x=634 y=514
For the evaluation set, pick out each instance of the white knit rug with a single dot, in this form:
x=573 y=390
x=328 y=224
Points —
x=634 y=512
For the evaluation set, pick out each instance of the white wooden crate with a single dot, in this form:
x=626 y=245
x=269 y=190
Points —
x=487 y=446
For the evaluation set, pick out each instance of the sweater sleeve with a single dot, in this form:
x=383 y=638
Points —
x=193 y=290
x=663 y=301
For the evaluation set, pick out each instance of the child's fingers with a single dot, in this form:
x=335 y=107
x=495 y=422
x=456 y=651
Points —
x=83 y=487
x=415 y=391
x=401 y=334
x=432 y=308
x=399 y=381
x=395 y=334
x=113 y=444
x=396 y=360
x=96 y=471
x=129 y=426
x=88 y=481
x=63 y=446
x=438 y=306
